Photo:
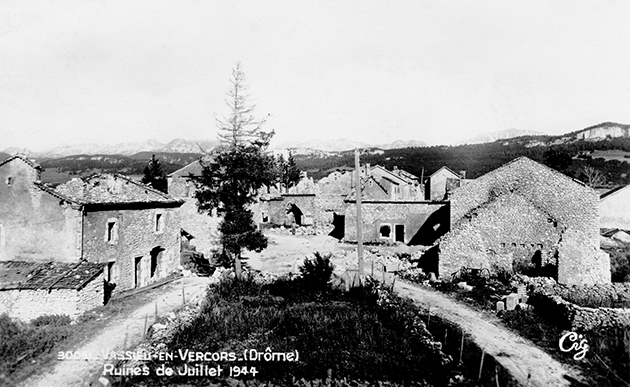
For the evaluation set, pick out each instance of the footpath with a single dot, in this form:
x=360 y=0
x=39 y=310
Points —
x=528 y=365
x=121 y=332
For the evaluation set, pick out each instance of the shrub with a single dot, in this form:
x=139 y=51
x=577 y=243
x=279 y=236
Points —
x=317 y=272
x=55 y=320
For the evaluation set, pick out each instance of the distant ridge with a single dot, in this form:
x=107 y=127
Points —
x=343 y=144
x=602 y=131
x=500 y=135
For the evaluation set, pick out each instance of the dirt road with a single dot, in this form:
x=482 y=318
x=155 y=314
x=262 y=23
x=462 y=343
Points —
x=518 y=355
x=121 y=331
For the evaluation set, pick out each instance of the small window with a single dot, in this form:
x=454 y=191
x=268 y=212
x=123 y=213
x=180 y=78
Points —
x=265 y=217
x=9 y=181
x=503 y=245
x=385 y=230
x=112 y=231
x=159 y=223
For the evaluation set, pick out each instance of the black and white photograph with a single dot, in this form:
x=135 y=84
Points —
x=240 y=193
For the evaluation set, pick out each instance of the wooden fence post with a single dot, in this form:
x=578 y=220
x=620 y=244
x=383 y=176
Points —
x=461 y=348
x=483 y=354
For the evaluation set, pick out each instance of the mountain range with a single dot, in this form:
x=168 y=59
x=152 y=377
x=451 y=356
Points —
x=314 y=147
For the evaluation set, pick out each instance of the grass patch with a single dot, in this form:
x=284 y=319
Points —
x=367 y=334
x=30 y=348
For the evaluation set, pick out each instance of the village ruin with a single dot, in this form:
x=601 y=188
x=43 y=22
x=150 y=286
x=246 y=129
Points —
x=119 y=234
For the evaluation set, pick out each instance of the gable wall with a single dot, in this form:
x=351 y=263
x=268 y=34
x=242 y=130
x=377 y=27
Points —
x=571 y=205
x=36 y=226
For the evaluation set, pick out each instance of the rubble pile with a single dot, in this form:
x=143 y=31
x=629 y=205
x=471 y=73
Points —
x=300 y=230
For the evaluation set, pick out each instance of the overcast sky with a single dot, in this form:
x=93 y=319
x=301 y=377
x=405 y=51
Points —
x=375 y=71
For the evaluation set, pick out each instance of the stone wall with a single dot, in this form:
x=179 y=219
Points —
x=136 y=238
x=204 y=227
x=35 y=225
x=27 y=304
x=377 y=214
x=520 y=204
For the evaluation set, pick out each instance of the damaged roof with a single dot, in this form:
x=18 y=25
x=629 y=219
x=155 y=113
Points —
x=28 y=161
x=112 y=189
x=193 y=169
x=16 y=275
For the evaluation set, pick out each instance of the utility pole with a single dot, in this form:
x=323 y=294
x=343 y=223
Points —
x=357 y=190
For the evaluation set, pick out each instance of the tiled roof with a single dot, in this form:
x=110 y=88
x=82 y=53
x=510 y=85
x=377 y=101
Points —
x=112 y=189
x=47 y=275
x=23 y=158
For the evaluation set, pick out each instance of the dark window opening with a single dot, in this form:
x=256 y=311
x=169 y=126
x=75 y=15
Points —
x=265 y=217
x=112 y=231
x=159 y=222
x=385 y=230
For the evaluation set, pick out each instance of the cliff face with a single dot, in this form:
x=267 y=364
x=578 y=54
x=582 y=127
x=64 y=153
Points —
x=603 y=131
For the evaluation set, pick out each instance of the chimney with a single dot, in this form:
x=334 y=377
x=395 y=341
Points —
x=462 y=174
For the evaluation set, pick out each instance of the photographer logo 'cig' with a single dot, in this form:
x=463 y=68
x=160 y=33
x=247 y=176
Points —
x=571 y=341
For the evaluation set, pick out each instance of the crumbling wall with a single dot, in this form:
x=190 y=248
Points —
x=27 y=304
x=504 y=234
x=137 y=237
x=35 y=225
x=542 y=194
x=203 y=227
x=379 y=213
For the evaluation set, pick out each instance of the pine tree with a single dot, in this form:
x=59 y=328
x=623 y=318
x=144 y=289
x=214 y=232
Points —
x=240 y=167
x=241 y=128
x=154 y=176
x=290 y=174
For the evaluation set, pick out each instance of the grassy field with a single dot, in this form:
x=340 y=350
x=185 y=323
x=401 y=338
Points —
x=366 y=335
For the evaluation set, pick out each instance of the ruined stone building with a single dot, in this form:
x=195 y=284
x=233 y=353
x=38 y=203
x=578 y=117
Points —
x=525 y=216
x=130 y=229
x=439 y=185
x=201 y=228
x=614 y=209
x=32 y=289
x=324 y=203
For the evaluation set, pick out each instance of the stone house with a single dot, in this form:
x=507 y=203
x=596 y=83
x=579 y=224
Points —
x=32 y=289
x=524 y=216
x=128 y=227
x=389 y=221
x=614 y=208
x=441 y=183
x=202 y=228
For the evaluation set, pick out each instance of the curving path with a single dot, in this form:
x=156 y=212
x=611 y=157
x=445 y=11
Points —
x=120 y=332
x=515 y=353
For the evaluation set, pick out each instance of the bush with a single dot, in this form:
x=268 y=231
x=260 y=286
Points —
x=55 y=320
x=316 y=273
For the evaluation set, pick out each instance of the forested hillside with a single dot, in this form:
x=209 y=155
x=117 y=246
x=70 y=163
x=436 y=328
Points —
x=478 y=159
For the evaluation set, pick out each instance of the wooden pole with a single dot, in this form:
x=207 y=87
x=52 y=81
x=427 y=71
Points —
x=357 y=190
x=461 y=348
x=183 y=295
x=496 y=375
x=483 y=354
x=429 y=318
x=156 y=310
